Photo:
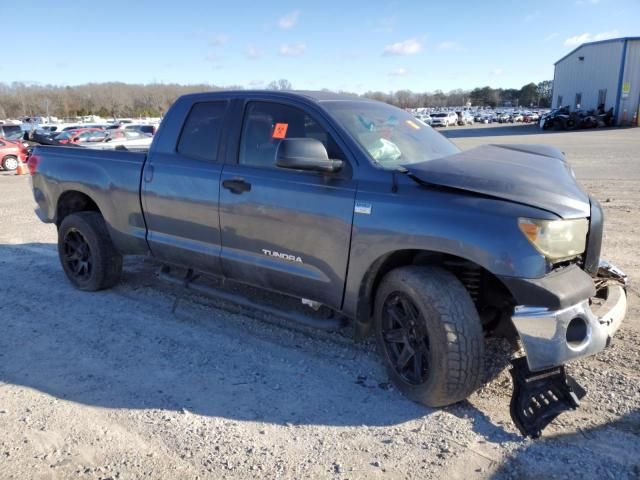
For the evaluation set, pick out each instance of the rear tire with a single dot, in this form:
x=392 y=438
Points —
x=10 y=163
x=86 y=252
x=428 y=312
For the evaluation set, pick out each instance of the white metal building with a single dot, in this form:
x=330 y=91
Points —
x=605 y=72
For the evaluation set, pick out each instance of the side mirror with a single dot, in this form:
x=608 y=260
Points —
x=305 y=154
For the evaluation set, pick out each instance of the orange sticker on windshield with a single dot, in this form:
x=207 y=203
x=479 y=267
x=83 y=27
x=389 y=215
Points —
x=280 y=130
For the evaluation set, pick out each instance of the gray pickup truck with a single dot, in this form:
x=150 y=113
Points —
x=357 y=206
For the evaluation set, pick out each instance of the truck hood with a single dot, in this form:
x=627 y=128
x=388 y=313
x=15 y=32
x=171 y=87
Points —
x=533 y=175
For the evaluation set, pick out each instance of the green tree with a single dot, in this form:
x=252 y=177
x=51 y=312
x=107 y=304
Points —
x=510 y=97
x=485 y=97
x=528 y=95
x=282 y=84
x=545 y=90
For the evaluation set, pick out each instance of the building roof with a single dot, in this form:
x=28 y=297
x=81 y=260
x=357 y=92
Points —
x=620 y=39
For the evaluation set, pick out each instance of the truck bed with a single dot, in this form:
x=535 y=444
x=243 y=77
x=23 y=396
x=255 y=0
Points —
x=110 y=178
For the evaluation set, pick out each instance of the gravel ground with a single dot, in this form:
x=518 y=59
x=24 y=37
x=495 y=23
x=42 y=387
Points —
x=115 y=385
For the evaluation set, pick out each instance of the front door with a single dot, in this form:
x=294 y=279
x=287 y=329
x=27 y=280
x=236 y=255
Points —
x=282 y=229
x=180 y=192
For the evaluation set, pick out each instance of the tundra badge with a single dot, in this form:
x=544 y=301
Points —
x=284 y=256
x=363 y=208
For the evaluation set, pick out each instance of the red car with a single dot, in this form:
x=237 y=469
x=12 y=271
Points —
x=76 y=136
x=11 y=153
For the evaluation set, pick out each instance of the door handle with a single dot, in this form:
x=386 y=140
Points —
x=237 y=185
x=148 y=173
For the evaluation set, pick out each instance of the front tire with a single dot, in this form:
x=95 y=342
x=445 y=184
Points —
x=86 y=252
x=429 y=335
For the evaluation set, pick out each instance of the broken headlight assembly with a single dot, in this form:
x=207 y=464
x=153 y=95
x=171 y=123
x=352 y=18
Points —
x=556 y=239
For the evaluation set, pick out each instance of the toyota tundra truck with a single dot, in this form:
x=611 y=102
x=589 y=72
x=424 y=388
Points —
x=358 y=207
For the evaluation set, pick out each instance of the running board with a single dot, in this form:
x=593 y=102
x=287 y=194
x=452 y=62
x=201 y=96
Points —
x=188 y=282
x=539 y=397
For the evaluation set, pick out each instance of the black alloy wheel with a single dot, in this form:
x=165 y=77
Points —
x=406 y=339
x=77 y=255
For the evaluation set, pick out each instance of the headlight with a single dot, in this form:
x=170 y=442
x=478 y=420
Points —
x=556 y=239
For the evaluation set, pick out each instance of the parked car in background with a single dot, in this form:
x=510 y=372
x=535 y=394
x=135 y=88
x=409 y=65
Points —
x=424 y=117
x=479 y=117
x=6 y=130
x=151 y=129
x=126 y=139
x=505 y=118
x=11 y=153
x=75 y=136
x=444 y=119
x=556 y=118
x=120 y=124
x=464 y=118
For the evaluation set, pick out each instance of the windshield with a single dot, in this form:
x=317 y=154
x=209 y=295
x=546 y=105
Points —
x=391 y=136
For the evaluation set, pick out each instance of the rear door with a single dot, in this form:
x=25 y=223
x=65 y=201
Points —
x=283 y=229
x=180 y=191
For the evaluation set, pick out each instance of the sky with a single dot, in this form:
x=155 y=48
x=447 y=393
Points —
x=355 y=46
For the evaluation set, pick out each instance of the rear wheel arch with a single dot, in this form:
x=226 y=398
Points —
x=74 y=201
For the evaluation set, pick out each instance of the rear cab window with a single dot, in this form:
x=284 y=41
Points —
x=201 y=132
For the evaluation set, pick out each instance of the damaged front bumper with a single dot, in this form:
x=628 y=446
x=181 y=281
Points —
x=541 y=387
x=554 y=337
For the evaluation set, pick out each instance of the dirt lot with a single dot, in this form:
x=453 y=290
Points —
x=114 y=385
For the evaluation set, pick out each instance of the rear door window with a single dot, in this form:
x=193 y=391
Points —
x=200 y=137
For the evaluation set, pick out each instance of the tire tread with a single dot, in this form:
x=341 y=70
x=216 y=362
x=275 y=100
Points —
x=464 y=349
x=109 y=261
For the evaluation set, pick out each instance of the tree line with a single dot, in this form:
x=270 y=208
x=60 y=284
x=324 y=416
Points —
x=530 y=95
x=116 y=99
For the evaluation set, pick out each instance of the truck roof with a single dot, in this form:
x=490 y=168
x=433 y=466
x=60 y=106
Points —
x=317 y=96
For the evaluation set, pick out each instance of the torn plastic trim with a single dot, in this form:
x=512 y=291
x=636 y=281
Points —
x=539 y=397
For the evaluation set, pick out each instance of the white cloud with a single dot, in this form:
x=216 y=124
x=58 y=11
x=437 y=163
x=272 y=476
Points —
x=217 y=39
x=588 y=37
x=398 y=72
x=578 y=39
x=289 y=20
x=606 y=35
x=407 y=47
x=253 y=52
x=551 y=36
x=292 y=50
x=496 y=72
x=448 y=45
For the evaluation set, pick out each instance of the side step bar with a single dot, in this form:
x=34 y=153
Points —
x=188 y=282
